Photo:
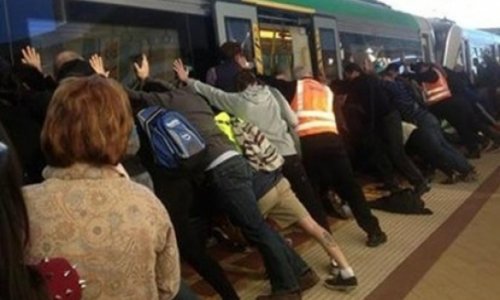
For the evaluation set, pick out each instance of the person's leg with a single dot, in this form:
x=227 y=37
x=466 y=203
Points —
x=448 y=152
x=373 y=151
x=325 y=239
x=178 y=197
x=350 y=191
x=232 y=184
x=344 y=277
x=393 y=136
x=294 y=171
x=454 y=113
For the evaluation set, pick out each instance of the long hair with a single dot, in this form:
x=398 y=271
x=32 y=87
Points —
x=17 y=281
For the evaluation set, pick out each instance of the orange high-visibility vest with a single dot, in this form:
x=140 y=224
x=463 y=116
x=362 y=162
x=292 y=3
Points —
x=313 y=104
x=436 y=91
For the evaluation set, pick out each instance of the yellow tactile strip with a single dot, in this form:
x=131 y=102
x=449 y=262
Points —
x=405 y=233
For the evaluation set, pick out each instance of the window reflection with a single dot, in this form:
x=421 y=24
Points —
x=380 y=50
x=118 y=45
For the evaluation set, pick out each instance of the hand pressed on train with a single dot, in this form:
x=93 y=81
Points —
x=180 y=70
x=97 y=64
x=32 y=58
x=142 y=70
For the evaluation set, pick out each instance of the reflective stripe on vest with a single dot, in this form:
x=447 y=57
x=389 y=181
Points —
x=436 y=91
x=313 y=104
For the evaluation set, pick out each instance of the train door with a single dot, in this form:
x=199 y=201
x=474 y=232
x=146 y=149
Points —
x=327 y=48
x=427 y=48
x=238 y=22
x=469 y=67
x=285 y=39
x=284 y=47
x=452 y=47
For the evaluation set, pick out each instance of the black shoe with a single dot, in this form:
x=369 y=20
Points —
x=376 y=239
x=341 y=284
x=470 y=176
x=281 y=296
x=476 y=154
x=421 y=189
x=308 y=280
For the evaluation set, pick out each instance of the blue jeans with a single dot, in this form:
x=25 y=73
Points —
x=232 y=184
x=442 y=151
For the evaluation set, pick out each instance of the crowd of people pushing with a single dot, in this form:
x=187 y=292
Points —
x=87 y=211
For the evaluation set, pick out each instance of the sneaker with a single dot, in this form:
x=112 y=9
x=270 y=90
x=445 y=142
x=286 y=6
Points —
x=421 y=189
x=341 y=284
x=376 y=239
x=308 y=280
x=281 y=296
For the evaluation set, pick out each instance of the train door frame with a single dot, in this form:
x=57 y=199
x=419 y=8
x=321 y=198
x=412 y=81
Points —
x=468 y=59
x=249 y=10
x=321 y=22
x=452 y=47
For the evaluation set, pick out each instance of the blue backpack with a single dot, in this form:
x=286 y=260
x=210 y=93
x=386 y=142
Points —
x=175 y=143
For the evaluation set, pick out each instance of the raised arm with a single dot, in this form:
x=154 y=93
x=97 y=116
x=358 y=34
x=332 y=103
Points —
x=229 y=102
x=32 y=58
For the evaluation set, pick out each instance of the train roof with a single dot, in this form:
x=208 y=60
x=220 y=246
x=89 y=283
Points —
x=355 y=9
x=481 y=37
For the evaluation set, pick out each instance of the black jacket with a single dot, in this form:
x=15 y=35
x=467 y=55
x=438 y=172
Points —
x=366 y=92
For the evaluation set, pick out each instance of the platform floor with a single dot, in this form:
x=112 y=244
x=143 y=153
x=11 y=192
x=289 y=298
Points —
x=452 y=254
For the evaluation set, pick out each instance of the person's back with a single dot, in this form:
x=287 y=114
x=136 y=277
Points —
x=197 y=112
x=110 y=227
x=87 y=210
x=223 y=75
x=262 y=109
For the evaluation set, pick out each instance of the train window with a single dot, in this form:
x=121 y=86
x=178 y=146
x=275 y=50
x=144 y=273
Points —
x=240 y=30
x=284 y=48
x=119 y=32
x=329 y=53
x=426 y=42
x=380 y=50
x=277 y=50
x=119 y=46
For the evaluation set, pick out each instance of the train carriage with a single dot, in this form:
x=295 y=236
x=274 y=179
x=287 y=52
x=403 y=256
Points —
x=276 y=34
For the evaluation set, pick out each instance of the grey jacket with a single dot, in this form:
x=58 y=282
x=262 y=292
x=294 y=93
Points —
x=259 y=105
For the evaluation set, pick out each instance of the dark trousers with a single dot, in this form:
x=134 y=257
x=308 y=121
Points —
x=328 y=165
x=185 y=293
x=294 y=171
x=371 y=149
x=459 y=116
x=231 y=183
x=429 y=142
x=178 y=196
x=392 y=135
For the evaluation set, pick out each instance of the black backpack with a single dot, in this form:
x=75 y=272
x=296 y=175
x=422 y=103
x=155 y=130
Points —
x=402 y=202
